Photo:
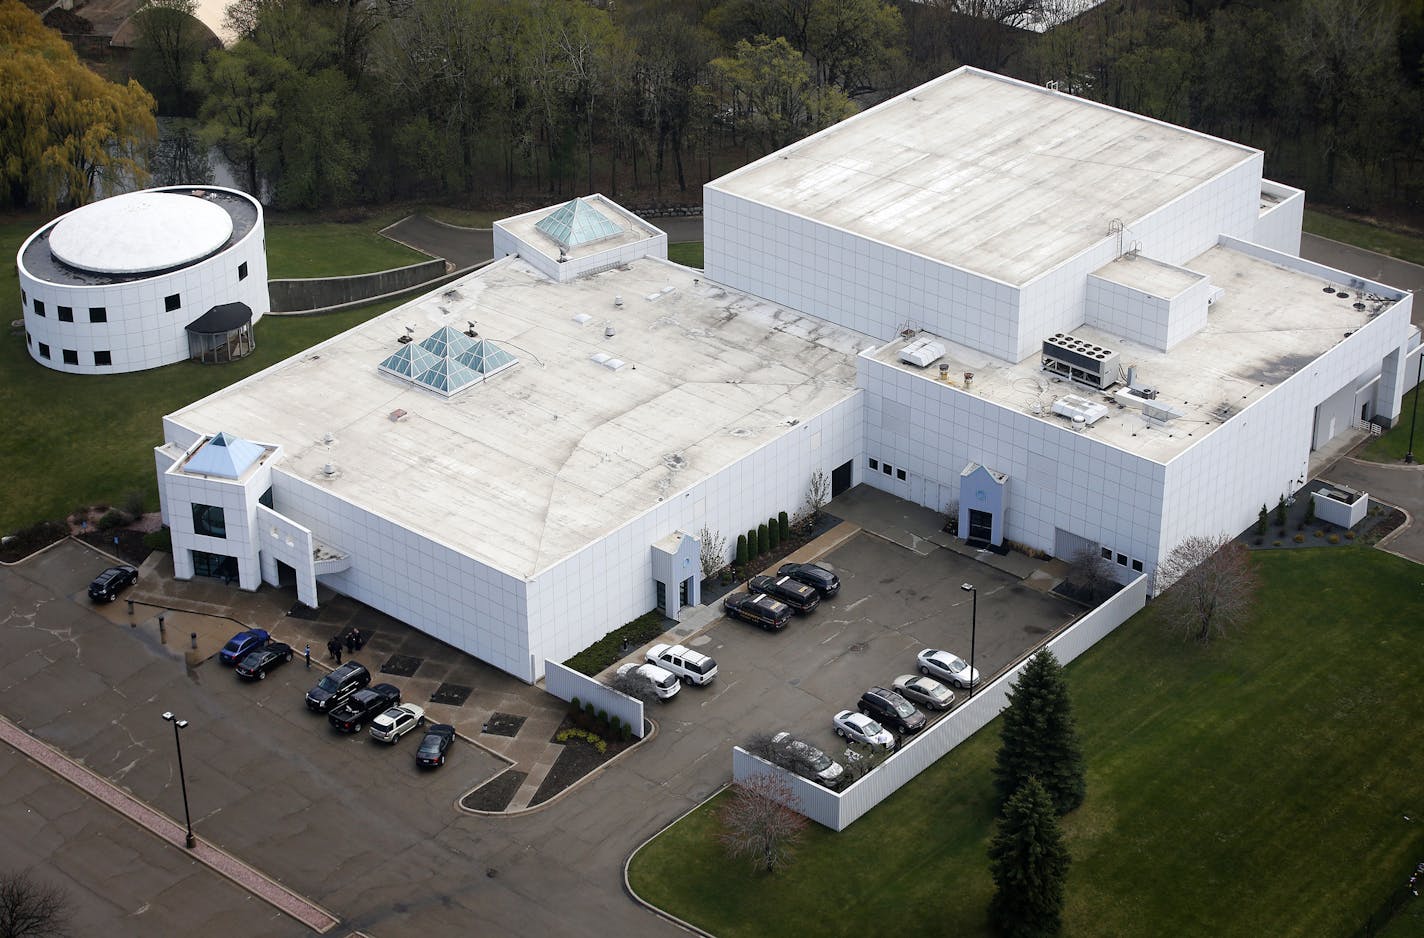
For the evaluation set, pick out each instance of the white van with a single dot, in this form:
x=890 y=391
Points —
x=692 y=666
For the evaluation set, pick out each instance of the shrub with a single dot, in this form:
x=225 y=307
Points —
x=1309 y=509
x=162 y=539
x=1334 y=538
x=741 y=550
x=763 y=540
x=602 y=716
x=1300 y=538
x=1259 y=541
x=111 y=519
x=133 y=504
x=752 y=552
x=575 y=705
x=1319 y=532
x=589 y=710
x=1349 y=535
x=773 y=533
x=1281 y=511
x=1275 y=543
x=1262 y=520
x=783 y=524
x=609 y=648
x=625 y=732
x=583 y=736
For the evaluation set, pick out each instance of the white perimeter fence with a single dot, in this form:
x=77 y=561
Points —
x=566 y=684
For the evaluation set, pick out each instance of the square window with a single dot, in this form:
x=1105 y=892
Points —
x=44 y=350
x=1137 y=566
x=900 y=474
x=242 y=271
x=66 y=313
x=172 y=302
x=1122 y=560
x=71 y=356
x=39 y=307
x=875 y=464
x=1107 y=553
x=103 y=358
x=98 y=314
x=885 y=468
x=209 y=520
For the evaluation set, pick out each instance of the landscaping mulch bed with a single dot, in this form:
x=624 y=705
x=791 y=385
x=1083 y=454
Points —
x=401 y=665
x=714 y=589
x=495 y=794
x=123 y=543
x=1378 y=521
x=578 y=759
x=504 y=724
x=452 y=694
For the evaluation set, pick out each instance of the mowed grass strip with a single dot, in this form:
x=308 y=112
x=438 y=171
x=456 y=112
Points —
x=328 y=249
x=1255 y=786
x=1390 y=446
x=1405 y=245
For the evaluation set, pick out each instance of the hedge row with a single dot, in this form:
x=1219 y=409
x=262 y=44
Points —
x=609 y=648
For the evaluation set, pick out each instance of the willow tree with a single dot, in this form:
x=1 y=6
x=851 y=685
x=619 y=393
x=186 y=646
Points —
x=66 y=134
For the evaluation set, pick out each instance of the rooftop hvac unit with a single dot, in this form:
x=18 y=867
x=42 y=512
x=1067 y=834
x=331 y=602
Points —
x=1080 y=360
x=922 y=352
x=1079 y=409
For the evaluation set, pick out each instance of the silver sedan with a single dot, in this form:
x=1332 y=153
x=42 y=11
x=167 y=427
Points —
x=924 y=690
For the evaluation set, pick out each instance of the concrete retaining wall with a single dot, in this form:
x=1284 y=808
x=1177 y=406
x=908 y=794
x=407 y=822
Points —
x=838 y=810
x=291 y=296
x=566 y=684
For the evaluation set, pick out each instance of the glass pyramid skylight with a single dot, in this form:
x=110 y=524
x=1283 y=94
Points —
x=447 y=361
x=410 y=361
x=225 y=456
x=448 y=376
x=577 y=222
x=486 y=357
x=447 y=341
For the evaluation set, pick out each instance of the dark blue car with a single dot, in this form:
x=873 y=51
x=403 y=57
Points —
x=240 y=644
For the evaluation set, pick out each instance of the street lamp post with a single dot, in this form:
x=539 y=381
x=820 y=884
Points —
x=973 y=633
x=178 y=742
x=1414 y=416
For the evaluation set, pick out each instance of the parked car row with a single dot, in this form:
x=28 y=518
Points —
x=770 y=601
x=345 y=695
x=668 y=666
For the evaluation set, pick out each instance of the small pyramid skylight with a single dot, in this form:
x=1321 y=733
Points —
x=225 y=456
x=447 y=361
x=577 y=222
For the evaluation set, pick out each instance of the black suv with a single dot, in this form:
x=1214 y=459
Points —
x=797 y=595
x=337 y=686
x=106 y=585
x=814 y=575
x=759 y=608
x=891 y=710
x=363 y=705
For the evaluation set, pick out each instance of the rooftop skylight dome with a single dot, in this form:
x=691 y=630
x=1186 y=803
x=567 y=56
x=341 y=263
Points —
x=576 y=223
x=447 y=361
x=225 y=456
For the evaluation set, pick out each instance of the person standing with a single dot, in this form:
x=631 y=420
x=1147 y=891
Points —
x=308 y=653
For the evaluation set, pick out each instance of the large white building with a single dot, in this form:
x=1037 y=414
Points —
x=145 y=279
x=1088 y=328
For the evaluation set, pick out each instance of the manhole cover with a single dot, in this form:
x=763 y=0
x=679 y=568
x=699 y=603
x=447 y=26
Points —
x=503 y=724
x=401 y=665
x=303 y=611
x=451 y=694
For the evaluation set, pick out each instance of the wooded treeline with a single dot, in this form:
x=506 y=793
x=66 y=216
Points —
x=336 y=102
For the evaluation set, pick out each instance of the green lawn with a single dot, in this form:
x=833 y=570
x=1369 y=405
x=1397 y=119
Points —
x=328 y=249
x=1400 y=244
x=687 y=253
x=1390 y=446
x=1254 y=787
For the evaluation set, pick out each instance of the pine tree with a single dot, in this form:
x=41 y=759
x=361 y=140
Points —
x=1029 y=864
x=752 y=552
x=763 y=540
x=741 y=551
x=1039 y=737
x=773 y=533
x=783 y=524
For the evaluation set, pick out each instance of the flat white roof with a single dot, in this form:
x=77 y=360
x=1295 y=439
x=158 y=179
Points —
x=525 y=227
x=1270 y=323
x=986 y=173
x=546 y=457
x=1152 y=277
x=140 y=232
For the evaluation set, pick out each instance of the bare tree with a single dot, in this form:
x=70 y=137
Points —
x=818 y=493
x=714 y=551
x=791 y=757
x=861 y=760
x=760 y=821
x=635 y=685
x=30 y=908
x=1207 y=585
x=1090 y=575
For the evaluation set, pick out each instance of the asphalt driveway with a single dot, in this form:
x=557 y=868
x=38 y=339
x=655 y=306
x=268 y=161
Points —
x=1402 y=486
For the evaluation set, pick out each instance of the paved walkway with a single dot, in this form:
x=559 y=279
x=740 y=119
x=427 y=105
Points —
x=298 y=907
x=462 y=247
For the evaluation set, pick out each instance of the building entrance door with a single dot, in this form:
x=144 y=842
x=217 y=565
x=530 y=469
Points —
x=662 y=595
x=981 y=525
x=684 y=593
x=840 y=479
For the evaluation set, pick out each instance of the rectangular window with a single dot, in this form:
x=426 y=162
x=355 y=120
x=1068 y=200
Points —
x=44 y=350
x=39 y=307
x=98 y=314
x=24 y=298
x=1107 y=553
x=172 y=302
x=103 y=358
x=886 y=468
x=1137 y=566
x=242 y=271
x=900 y=474
x=1122 y=560
x=875 y=464
x=71 y=357
x=66 y=314
x=209 y=520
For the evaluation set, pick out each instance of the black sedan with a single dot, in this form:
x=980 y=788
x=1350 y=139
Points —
x=794 y=593
x=432 y=748
x=814 y=575
x=758 y=608
x=255 y=665
x=363 y=705
x=106 y=586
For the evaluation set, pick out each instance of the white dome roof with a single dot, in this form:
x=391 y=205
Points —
x=140 y=232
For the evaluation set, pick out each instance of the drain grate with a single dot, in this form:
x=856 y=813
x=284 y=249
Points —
x=401 y=665
x=452 y=694
x=303 y=611
x=503 y=724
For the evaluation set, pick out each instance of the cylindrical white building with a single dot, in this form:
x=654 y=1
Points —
x=144 y=279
